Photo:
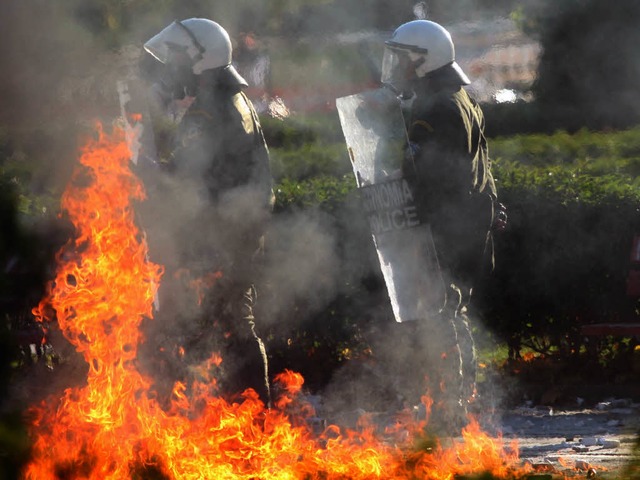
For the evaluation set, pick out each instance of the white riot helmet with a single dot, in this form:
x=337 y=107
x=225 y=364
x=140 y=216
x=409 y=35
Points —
x=205 y=42
x=418 y=48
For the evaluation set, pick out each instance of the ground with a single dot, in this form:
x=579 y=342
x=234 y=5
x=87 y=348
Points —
x=566 y=416
x=602 y=437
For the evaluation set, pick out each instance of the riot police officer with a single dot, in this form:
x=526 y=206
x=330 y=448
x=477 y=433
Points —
x=221 y=187
x=448 y=163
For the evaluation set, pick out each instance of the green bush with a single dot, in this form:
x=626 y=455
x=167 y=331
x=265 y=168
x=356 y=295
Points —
x=593 y=152
x=573 y=210
x=325 y=191
x=298 y=130
x=309 y=161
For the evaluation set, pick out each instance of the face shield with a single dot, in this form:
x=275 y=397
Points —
x=175 y=37
x=398 y=69
x=177 y=49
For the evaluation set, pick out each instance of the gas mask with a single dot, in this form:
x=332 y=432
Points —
x=399 y=70
x=177 y=78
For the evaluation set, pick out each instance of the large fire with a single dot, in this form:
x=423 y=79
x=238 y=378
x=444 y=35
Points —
x=114 y=428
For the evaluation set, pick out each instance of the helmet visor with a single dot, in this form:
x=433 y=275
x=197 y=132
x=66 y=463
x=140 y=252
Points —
x=173 y=38
x=397 y=67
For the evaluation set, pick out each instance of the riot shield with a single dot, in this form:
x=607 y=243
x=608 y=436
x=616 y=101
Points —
x=375 y=133
x=137 y=124
x=139 y=135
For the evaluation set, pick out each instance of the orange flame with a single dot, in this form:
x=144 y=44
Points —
x=114 y=428
x=530 y=356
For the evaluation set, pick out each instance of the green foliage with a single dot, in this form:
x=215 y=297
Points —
x=586 y=168
x=567 y=186
x=310 y=160
x=23 y=174
x=573 y=210
x=325 y=191
x=299 y=130
x=616 y=148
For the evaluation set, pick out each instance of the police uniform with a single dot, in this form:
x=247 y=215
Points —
x=449 y=166
x=222 y=159
x=218 y=200
x=451 y=173
x=220 y=139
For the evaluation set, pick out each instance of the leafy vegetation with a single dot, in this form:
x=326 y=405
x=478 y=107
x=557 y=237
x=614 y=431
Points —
x=324 y=190
x=587 y=168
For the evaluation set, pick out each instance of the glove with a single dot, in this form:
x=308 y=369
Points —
x=411 y=151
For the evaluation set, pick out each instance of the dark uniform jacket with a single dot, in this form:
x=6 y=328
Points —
x=222 y=159
x=451 y=170
x=220 y=140
x=222 y=189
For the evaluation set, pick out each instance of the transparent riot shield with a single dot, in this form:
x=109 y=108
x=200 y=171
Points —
x=137 y=123
x=375 y=134
x=139 y=136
